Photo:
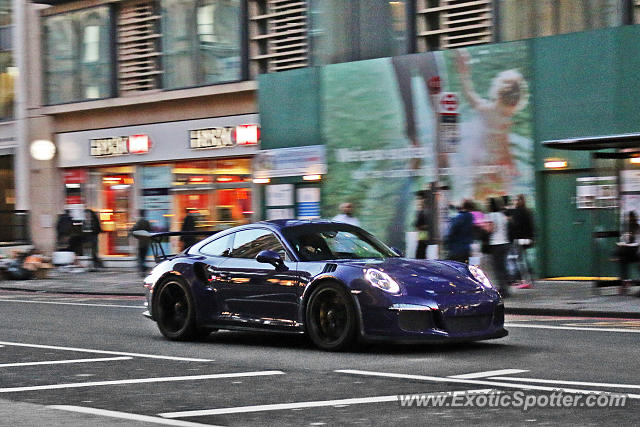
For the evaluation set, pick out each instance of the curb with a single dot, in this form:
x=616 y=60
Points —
x=69 y=292
x=533 y=311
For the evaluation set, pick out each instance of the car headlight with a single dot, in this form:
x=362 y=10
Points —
x=479 y=275
x=382 y=280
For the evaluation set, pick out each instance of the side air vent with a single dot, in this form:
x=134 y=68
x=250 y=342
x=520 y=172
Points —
x=330 y=268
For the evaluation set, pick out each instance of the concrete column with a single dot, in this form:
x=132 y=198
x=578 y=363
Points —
x=46 y=189
x=20 y=105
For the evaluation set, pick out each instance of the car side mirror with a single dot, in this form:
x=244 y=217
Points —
x=273 y=258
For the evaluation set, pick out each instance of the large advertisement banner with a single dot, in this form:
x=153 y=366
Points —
x=457 y=120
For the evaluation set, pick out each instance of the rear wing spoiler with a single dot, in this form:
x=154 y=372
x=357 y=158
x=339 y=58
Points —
x=156 y=240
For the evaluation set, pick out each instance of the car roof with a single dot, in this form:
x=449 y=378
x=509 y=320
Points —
x=285 y=223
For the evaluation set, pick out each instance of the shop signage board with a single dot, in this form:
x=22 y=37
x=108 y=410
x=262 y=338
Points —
x=120 y=145
x=294 y=161
x=154 y=142
x=449 y=129
x=227 y=136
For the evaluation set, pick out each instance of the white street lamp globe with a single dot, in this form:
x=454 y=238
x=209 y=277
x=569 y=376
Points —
x=42 y=149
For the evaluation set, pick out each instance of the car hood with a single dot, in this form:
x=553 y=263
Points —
x=418 y=276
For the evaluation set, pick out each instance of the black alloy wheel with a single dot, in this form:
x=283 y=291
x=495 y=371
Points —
x=331 y=318
x=175 y=312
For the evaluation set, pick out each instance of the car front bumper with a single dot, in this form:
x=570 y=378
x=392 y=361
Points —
x=443 y=318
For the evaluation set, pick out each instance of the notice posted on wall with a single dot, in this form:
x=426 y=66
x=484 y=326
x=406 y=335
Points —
x=596 y=192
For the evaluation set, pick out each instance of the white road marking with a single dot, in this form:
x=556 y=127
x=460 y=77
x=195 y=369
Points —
x=138 y=381
x=477 y=382
x=302 y=405
x=118 y=353
x=137 y=307
x=570 y=328
x=580 y=383
x=126 y=416
x=490 y=373
x=56 y=362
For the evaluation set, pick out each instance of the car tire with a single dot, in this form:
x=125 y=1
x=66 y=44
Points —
x=175 y=312
x=331 y=320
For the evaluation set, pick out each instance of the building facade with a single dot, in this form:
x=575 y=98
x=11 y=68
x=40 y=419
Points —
x=358 y=87
x=463 y=98
x=150 y=107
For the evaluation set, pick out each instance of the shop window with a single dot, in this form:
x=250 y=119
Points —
x=201 y=42
x=520 y=19
x=111 y=195
x=77 y=55
x=216 y=192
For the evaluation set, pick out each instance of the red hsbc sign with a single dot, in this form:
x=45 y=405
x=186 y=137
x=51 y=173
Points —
x=120 y=145
x=224 y=137
x=448 y=103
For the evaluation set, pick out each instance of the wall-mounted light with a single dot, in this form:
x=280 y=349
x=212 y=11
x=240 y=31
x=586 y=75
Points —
x=261 y=180
x=634 y=160
x=555 y=164
x=42 y=149
x=312 y=177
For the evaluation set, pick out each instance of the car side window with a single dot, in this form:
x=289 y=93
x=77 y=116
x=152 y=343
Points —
x=218 y=247
x=249 y=243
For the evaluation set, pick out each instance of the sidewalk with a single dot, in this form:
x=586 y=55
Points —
x=570 y=298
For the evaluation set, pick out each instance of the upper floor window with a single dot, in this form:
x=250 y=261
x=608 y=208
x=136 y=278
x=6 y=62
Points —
x=7 y=68
x=77 y=55
x=520 y=19
x=201 y=42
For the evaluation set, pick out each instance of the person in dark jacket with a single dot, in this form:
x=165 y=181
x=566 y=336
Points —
x=91 y=229
x=143 y=244
x=189 y=224
x=460 y=234
x=522 y=233
x=64 y=227
x=423 y=226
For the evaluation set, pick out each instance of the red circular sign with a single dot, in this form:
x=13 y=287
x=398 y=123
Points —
x=449 y=102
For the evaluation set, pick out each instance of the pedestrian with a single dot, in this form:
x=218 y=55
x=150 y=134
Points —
x=91 y=229
x=188 y=224
x=346 y=215
x=497 y=224
x=460 y=235
x=522 y=236
x=423 y=226
x=143 y=244
x=64 y=227
x=627 y=248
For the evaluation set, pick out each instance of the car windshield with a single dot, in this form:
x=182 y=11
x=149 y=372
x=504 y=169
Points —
x=320 y=242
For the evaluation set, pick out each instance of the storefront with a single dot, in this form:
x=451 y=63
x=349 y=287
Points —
x=202 y=167
x=291 y=179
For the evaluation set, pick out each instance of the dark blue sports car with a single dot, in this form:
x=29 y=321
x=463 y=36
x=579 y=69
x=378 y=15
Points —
x=333 y=281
